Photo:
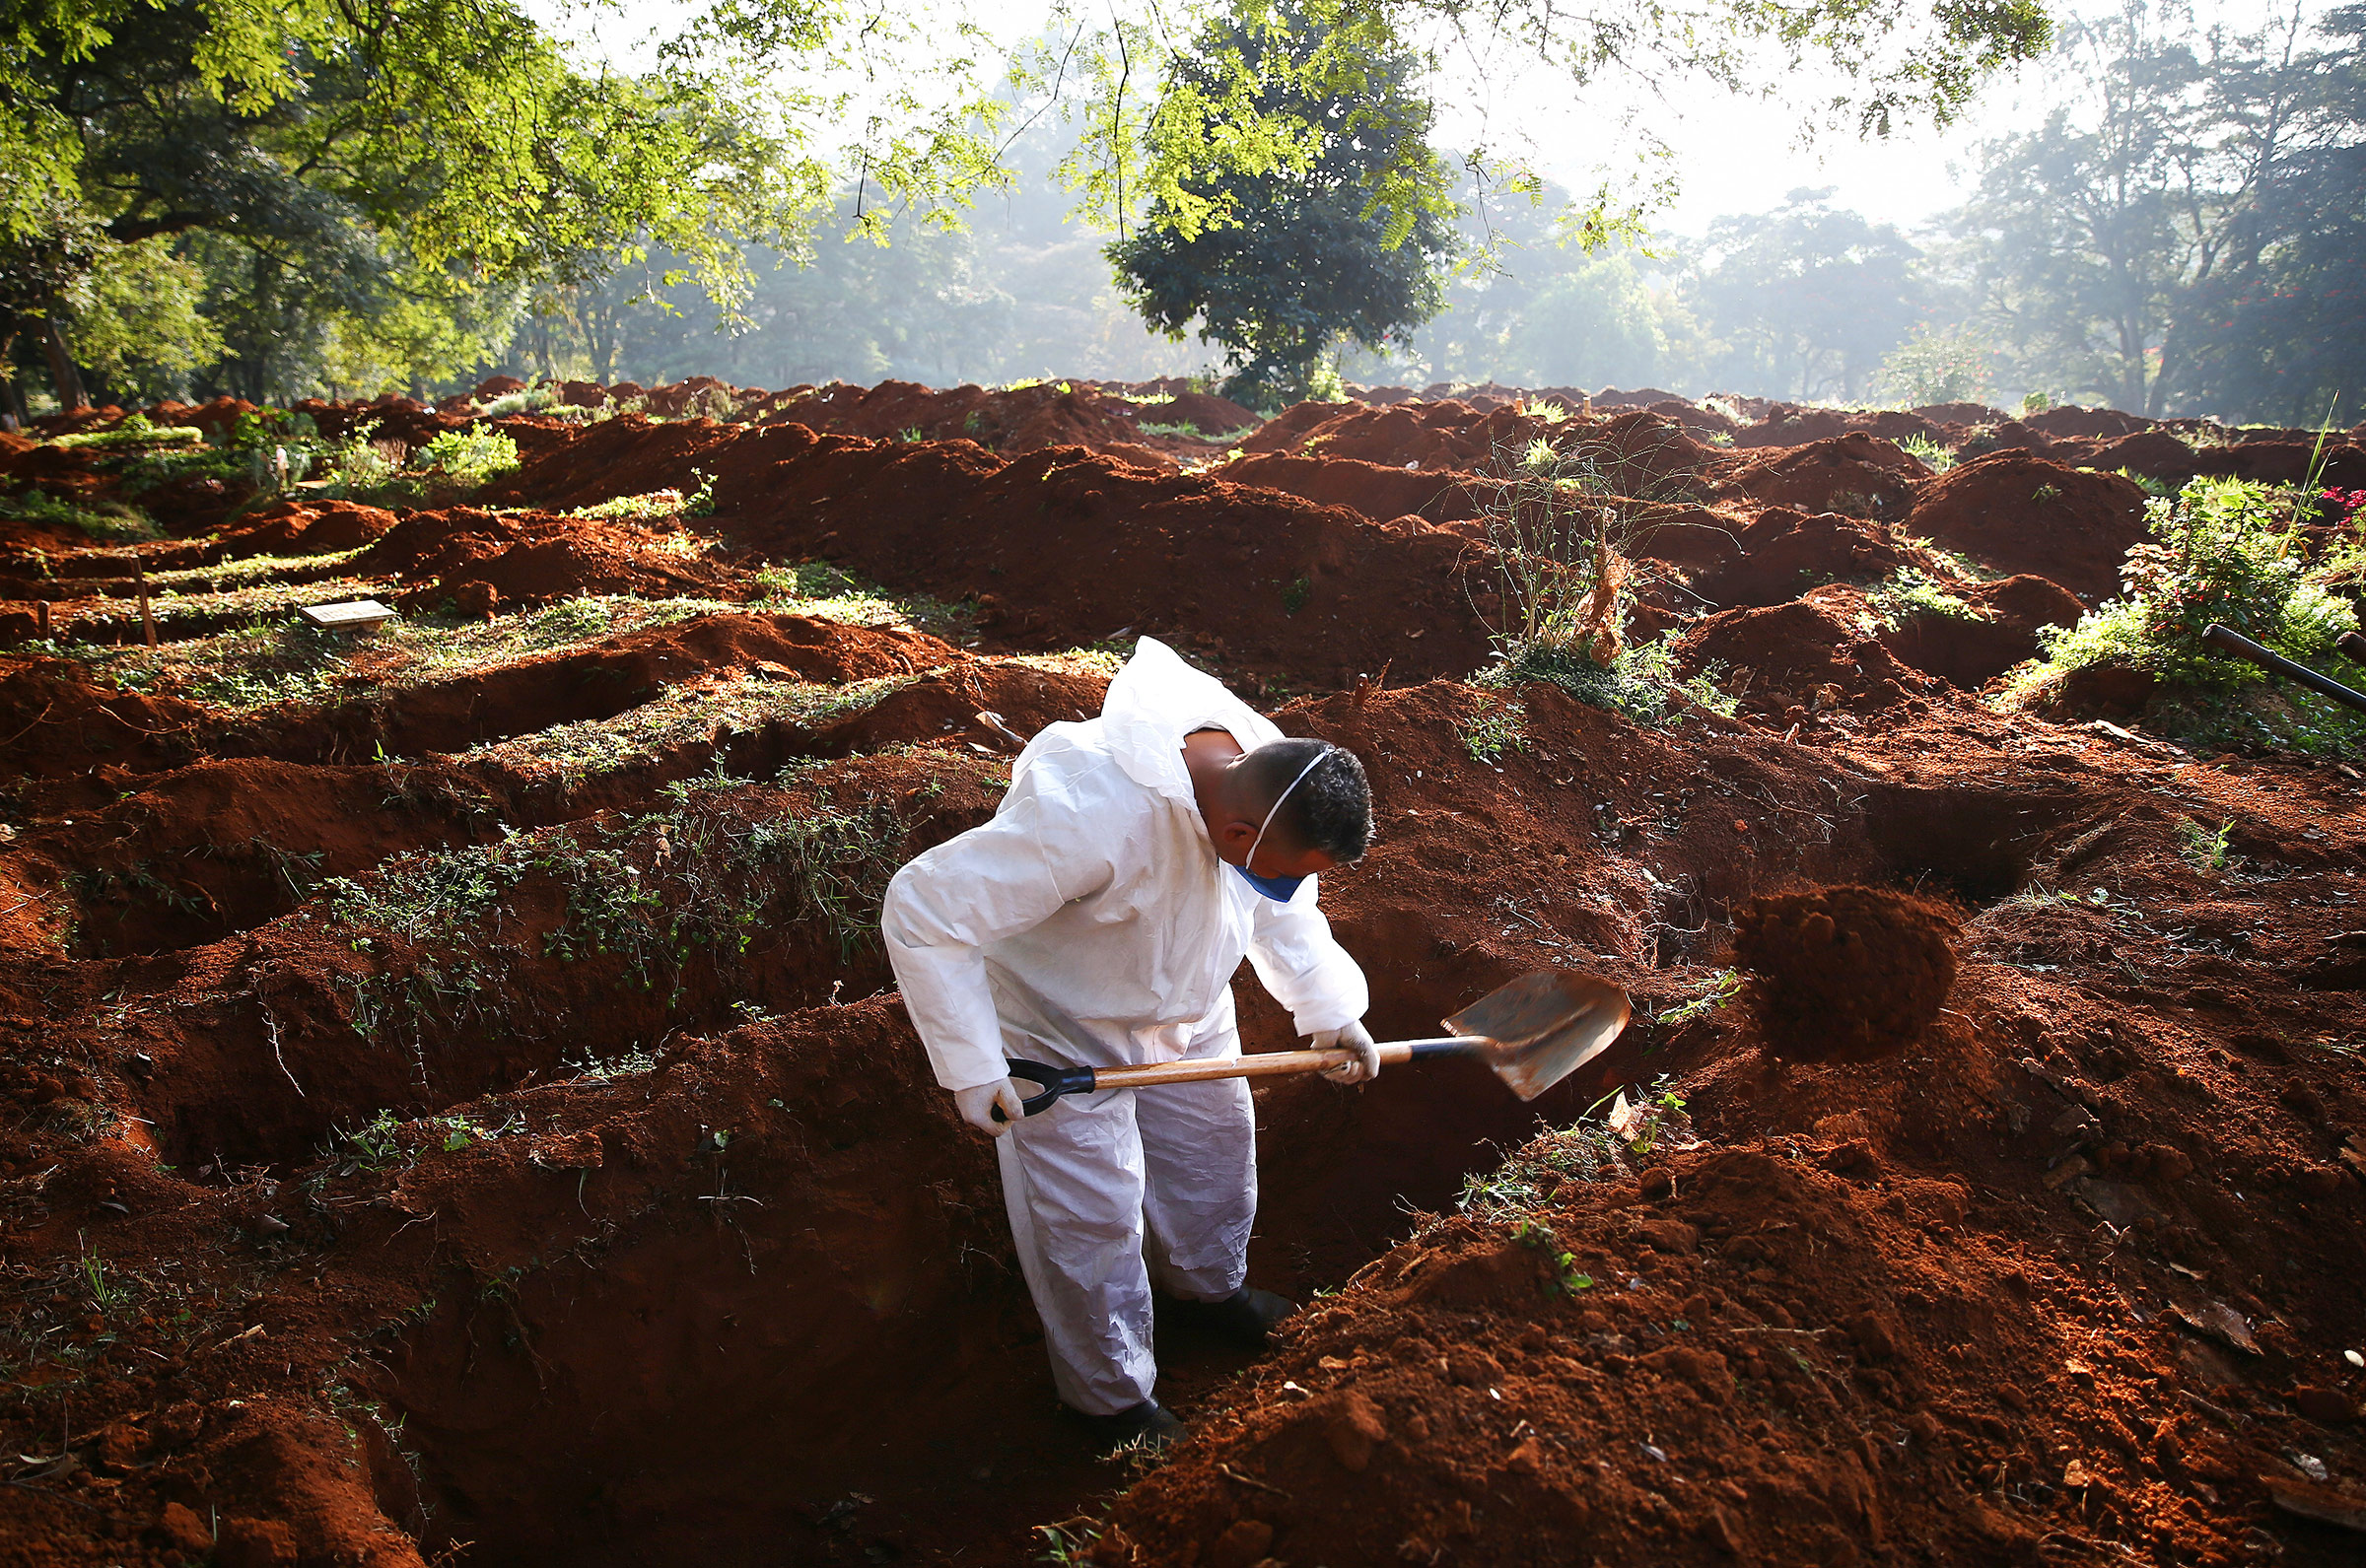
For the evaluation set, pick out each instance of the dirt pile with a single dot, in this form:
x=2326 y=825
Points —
x=454 y=1098
x=1783 y=553
x=2022 y=514
x=1791 y=662
x=1020 y=420
x=481 y=560
x=1846 y=974
x=1997 y=630
x=1853 y=474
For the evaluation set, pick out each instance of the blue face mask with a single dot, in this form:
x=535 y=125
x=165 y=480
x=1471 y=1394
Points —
x=1279 y=888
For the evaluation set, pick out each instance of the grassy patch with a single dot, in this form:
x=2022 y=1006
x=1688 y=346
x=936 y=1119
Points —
x=818 y=589
x=108 y=522
x=653 y=894
x=1640 y=682
x=1932 y=455
x=286 y=660
x=132 y=434
x=681 y=715
x=1494 y=725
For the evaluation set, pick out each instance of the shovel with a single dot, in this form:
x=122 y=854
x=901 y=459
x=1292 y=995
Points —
x=1534 y=1033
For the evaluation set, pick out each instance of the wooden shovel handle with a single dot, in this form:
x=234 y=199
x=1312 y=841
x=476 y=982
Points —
x=1276 y=1063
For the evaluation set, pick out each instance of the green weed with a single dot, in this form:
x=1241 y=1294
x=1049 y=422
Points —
x=1495 y=725
x=1929 y=453
x=1566 y=1280
x=2205 y=848
x=1710 y=996
x=1910 y=595
x=108 y=522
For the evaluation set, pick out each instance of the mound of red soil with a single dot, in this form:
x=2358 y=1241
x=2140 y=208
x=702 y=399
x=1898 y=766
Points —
x=300 y=527
x=1856 y=474
x=1060 y=542
x=2340 y=464
x=1968 y=654
x=1784 y=554
x=1843 y=974
x=2023 y=513
x=2153 y=453
x=1204 y=412
x=1380 y=491
x=1789 y=660
x=479 y=560
x=2094 y=424
x=1026 y=419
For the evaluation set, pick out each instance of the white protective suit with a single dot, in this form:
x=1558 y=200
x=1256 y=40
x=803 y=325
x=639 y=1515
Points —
x=1090 y=924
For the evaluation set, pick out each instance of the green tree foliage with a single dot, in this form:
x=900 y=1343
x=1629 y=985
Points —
x=2280 y=333
x=2182 y=236
x=1342 y=234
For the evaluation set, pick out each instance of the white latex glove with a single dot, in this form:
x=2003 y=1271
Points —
x=977 y=1104
x=1355 y=1037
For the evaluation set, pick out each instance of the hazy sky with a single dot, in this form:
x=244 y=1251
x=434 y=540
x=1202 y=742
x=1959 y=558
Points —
x=1729 y=155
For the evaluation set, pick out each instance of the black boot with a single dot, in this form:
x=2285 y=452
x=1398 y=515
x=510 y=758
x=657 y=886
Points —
x=1244 y=1317
x=1149 y=1423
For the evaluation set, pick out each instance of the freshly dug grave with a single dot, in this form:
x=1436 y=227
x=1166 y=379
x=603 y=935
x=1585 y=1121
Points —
x=1845 y=974
x=660 y=1254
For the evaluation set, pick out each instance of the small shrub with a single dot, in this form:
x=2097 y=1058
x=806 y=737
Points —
x=471 y=458
x=2232 y=552
x=2205 y=848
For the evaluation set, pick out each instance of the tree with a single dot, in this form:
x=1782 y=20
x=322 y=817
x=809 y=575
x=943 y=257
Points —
x=1804 y=301
x=351 y=160
x=2183 y=235
x=1340 y=236
x=2280 y=333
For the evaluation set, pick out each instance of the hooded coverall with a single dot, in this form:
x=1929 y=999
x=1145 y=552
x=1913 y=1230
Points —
x=1090 y=924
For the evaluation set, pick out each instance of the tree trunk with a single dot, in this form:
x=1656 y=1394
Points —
x=63 y=373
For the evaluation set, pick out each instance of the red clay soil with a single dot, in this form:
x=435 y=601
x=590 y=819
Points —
x=1783 y=553
x=481 y=561
x=1023 y=420
x=1065 y=546
x=1843 y=974
x=1969 y=653
x=1854 y=474
x=1788 y=661
x=350 y=1222
x=1382 y=492
x=2022 y=514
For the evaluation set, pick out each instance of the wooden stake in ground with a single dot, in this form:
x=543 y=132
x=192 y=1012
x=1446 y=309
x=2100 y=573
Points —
x=139 y=570
x=41 y=614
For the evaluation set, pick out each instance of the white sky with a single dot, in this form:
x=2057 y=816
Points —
x=1729 y=155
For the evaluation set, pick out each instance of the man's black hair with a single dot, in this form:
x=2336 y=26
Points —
x=1330 y=810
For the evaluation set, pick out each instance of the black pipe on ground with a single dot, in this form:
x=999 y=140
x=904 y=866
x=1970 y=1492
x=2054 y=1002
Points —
x=2275 y=663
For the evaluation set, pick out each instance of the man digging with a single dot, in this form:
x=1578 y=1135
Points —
x=1097 y=921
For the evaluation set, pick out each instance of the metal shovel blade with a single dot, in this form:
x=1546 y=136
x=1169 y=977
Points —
x=1543 y=1027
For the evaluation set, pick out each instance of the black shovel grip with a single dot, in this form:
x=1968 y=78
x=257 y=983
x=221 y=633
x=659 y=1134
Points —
x=1056 y=1082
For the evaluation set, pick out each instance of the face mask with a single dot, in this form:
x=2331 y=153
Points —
x=1280 y=889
